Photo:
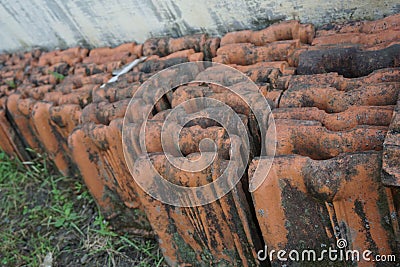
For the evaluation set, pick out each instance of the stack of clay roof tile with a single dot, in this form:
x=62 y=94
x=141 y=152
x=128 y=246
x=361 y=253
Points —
x=326 y=175
x=335 y=94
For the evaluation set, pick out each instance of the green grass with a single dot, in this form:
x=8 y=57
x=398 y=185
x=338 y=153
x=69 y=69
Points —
x=44 y=214
x=59 y=77
x=11 y=84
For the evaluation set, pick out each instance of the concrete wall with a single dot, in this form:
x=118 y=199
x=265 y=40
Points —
x=63 y=23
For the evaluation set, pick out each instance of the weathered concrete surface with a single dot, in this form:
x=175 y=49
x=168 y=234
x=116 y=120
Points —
x=57 y=23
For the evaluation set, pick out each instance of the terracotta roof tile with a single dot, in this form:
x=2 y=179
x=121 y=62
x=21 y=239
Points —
x=335 y=94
